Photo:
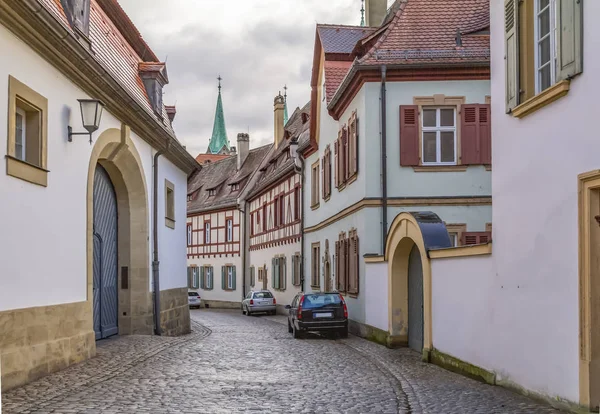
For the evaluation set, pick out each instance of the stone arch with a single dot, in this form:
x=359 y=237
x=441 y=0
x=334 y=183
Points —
x=116 y=152
x=425 y=231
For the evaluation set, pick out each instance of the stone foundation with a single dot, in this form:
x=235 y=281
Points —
x=174 y=312
x=35 y=342
x=221 y=304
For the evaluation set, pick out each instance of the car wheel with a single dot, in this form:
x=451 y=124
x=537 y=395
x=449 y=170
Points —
x=290 y=330
x=297 y=333
x=343 y=333
x=248 y=312
x=274 y=312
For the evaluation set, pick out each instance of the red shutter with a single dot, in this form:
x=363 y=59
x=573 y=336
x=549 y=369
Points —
x=470 y=145
x=472 y=238
x=409 y=135
x=336 y=162
x=485 y=133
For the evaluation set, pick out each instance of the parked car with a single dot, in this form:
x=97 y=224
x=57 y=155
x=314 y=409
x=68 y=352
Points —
x=194 y=300
x=318 y=312
x=260 y=301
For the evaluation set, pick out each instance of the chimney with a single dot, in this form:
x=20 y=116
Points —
x=375 y=11
x=171 y=112
x=279 y=109
x=243 y=148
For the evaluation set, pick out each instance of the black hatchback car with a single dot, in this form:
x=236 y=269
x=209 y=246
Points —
x=318 y=312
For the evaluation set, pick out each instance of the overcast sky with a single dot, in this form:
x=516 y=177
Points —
x=257 y=46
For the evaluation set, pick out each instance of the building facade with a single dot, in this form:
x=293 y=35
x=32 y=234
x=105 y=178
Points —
x=275 y=212
x=530 y=289
x=399 y=123
x=87 y=211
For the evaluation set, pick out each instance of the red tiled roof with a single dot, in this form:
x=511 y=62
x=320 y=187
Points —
x=202 y=158
x=335 y=72
x=425 y=31
x=111 y=40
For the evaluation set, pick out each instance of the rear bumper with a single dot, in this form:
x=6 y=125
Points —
x=322 y=325
x=262 y=308
x=196 y=303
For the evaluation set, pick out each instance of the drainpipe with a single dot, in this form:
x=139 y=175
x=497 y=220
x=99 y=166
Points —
x=300 y=170
x=246 y=246
x=155 y=261
x=384 y=196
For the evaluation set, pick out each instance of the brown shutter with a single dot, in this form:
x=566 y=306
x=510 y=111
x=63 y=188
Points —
x=323 y=189
x=485 y=133
x=355 y=143
x=469 y=140
x=472 y=238
x=337 y=265
x=336 y=170
x=346 y=156
x=409 y=135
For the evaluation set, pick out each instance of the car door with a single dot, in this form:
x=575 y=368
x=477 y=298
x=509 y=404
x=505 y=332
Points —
x=247 y=298
x=292 y=310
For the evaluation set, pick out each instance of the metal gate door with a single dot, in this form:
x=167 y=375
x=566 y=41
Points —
x=415 y=300
x=105 y=256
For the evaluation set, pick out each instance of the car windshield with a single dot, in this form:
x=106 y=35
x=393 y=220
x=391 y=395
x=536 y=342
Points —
x=321 y=301
x=263 y=295
x=193 y=294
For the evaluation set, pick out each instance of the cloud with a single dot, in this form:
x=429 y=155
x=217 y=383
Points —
x=257 y=47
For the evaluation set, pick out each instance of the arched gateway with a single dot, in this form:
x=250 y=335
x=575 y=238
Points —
x=410 y=237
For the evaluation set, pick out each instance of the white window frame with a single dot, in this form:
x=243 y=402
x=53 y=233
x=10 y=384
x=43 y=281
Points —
x=229 y=230
x=454 y=235
x=189 y=235
x=438 y=130
x=23 y=155
x=206 y=233
x=208 y=279
x=552 y=33
x=195 y=277
x=229 y=271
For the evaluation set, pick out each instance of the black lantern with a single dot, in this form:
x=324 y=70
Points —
x=91 y=112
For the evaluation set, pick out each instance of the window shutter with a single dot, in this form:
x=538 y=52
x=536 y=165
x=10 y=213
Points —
x=409 y=135
x=211 y=277
x=273 y=273
x=223 y=278
x=345 y=155
x=570 y=35
x=354 y=265
x=342 y=268
x=469 y=130
x=234 y=279
x=485 y=133
x=337 y=265
x=472 y=238
x=336 y=163
x=511 y=40
x=202 y=281
x=355 y=141
x=189 y=273
x=283 y=283
x=323 y=188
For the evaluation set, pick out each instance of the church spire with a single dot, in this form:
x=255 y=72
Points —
x=285 y=111
x=218 y=141
x=362 y=13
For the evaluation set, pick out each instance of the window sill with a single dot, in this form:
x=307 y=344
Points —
x=315 y=287
x=352 y=179
x=170 y=223
x=326 y=199
x=488 y=168
x=26 y=171
x=314 y=207
x=341 y=187
x=440 y=168
x=539 y=101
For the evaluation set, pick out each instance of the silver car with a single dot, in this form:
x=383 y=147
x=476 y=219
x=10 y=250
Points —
x=194 y=300
x=259 y=301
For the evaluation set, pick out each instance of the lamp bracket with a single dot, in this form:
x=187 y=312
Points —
x=71 y=133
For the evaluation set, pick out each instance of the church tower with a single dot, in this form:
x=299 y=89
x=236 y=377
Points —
x=219 y=144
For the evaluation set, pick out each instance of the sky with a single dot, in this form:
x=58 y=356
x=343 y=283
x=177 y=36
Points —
x=257 y=46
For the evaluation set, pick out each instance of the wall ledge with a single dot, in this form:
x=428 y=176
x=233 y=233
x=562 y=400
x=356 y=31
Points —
x=542 y=99
x=462 y=251
x=372 y=258
x=461 y=367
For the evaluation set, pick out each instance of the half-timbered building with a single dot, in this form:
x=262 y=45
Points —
x=215 y=225
x=275 y=212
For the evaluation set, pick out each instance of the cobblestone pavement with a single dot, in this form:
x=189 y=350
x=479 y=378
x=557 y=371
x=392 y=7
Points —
x=233 y=363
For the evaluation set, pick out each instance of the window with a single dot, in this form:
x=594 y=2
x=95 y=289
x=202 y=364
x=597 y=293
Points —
x=472 y=238
x=316 y=264
x=169 y=204
x=347 y=263
x=281 y=211
x=264 y=217
x=235 y=187
x=314 y=200
x=228 y=278
x=345 y=153
x=261 y=274
x=276 y=212
x=27 y=134
x=439 y=136
x=206 y=277
x=252 y=276
x=296 y=263
x=352 y=146
x=341 y=262
x=353 y=263
x=543 y=47
x=297 y=203
x=326 y=173
x=193 y=277
x=229 y=224
x=279 y=273
x=455 y=231
x=207 y=232
x=212 y=192
x=189 y=234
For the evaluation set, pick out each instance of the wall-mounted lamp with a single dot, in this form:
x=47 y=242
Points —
x=91 y=112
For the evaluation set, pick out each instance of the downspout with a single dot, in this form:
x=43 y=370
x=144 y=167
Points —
x=246 y=246
x=384 y=196
x=301 y=171
x=155 y=261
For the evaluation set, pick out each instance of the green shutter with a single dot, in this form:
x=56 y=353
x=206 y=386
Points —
x=294 y=257
x=252 y=276
x=570 y=39
x=511 y=44
x=202 y=284
x=189 y=274
x=276 y=273
x=211 y=278
x=223 y=278
x=233 y=286
x=283 y=273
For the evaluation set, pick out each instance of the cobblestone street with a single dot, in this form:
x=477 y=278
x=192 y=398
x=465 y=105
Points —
x=234 y=363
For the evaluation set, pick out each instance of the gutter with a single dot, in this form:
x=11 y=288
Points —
x=155 y=261
x=383 y=126
x=300 y=171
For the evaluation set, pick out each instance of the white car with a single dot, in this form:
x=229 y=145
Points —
x=194 y=300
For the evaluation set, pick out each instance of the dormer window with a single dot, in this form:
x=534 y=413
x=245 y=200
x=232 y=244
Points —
x=78 y=15
x=212 y=192
x=154 y=77
x=305 y=117
x=235 y=187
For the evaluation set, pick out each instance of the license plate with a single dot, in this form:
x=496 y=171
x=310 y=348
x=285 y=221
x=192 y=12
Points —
x=323 y=315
